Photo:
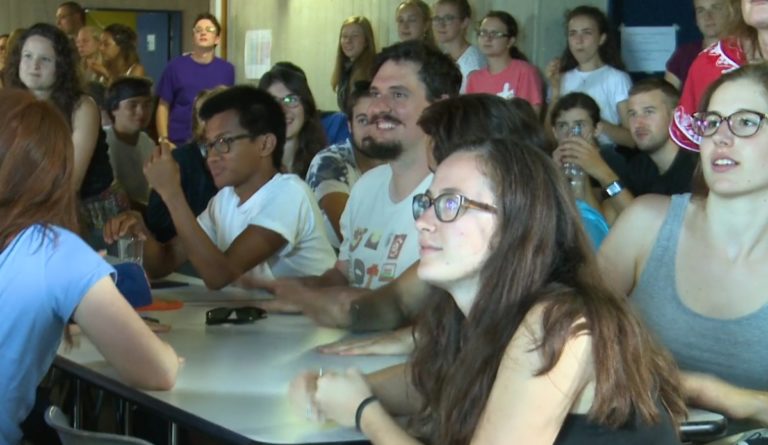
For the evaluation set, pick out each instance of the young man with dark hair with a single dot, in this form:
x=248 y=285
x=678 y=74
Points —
x=660 y=166
x=185 y=76
x=261 y=224
x=335 y=169
x=70 y=17
x=128 y=102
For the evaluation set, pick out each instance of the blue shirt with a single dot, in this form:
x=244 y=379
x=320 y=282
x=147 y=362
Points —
x=44 y=274
x=595 y=225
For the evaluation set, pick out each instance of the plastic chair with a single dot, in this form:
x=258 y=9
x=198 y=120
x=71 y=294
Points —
x=70 y=436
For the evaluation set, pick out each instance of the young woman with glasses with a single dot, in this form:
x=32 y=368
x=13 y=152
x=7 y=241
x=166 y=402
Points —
x=693 y=264
x=450 y=23
x=304 y=134
x=530 y=345
x=508 y=73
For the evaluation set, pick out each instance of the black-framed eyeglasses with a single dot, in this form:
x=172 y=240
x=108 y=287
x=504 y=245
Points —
x=290 y=101
x=447 y=206
x=223 y=145
x=493 y=35
x=242 y=315
x=743 y=123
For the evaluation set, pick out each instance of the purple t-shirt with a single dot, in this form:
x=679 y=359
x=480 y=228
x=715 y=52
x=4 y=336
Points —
x=182 y=80
x=680 y=61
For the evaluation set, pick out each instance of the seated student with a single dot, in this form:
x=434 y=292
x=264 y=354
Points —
x=449 y=123
x=335 y=169
x=196 y=180
x=48 y=275
x=660 y=166
x=508 y=73
x=531 y=345
x=128 y=102
x=693 y=264
x=261 y=222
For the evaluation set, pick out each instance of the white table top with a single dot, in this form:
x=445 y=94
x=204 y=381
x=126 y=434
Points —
x=237 y=376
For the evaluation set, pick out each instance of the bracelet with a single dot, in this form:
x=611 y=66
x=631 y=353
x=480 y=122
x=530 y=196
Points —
x=163 y=139
x=359 y=413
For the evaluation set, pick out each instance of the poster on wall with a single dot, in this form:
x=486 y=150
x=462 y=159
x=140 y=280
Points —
x=646 y=49
x=258 y=52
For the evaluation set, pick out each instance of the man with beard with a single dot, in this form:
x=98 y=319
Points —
x=335 y=169
x=379 y=236
x=660 y=166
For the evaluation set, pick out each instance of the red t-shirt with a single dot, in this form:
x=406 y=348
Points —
x=710 y=64
x=518 y=79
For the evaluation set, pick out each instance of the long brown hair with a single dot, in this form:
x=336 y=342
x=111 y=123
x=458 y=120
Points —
x=67 y=89
x=362 y=66
x=125 y=38
x=543 y=258
x=36 y=161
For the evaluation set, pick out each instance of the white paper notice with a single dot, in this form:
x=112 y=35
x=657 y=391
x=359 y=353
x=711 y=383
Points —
x=258 y=53
x=647 y=48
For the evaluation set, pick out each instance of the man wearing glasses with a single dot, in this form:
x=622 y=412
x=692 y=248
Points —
x=660 y=166
x=185 y=76
x=262 y=224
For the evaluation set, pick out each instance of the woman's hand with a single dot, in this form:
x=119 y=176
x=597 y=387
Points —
x=301 y=394
x=339 y=394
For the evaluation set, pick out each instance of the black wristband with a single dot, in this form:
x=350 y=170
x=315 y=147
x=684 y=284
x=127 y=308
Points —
x=359 y=413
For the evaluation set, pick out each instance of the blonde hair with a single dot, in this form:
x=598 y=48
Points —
x=361 y=67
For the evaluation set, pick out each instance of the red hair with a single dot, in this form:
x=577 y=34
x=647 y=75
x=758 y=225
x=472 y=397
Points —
x=36 y=162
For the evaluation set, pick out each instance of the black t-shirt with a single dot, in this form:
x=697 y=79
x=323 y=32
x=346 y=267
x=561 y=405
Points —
x=98 y=176
x=642 y=175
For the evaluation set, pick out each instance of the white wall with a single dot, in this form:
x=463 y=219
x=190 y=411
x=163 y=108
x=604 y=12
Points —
x=306 y=31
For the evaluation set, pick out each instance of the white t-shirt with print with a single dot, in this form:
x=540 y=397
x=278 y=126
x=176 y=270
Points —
x=284 y=205
x=380 y=236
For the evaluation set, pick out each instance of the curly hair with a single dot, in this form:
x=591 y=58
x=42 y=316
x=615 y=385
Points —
x=67 y=88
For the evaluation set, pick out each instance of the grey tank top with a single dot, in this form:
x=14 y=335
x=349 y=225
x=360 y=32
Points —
x=731 y=349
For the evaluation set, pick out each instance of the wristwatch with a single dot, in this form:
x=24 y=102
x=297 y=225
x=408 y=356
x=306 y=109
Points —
x=612 y=189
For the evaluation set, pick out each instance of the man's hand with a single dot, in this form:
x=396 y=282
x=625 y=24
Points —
x=162 y=172
x=126 y=223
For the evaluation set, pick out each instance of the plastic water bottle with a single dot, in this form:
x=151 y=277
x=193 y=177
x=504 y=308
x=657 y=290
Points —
x=575 y=174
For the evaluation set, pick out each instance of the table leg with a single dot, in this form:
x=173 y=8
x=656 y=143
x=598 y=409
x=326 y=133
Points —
x=77 y=409
x=173 y=433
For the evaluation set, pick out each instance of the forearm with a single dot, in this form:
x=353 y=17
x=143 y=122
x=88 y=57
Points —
x=394 y=390
x=161 y=118
x=159 y=259
x=331 y=277
x=712 y=393
x=211 y=263
x=382 y=429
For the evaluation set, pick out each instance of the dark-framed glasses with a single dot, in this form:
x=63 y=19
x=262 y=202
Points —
x=290 y=101
x=743 y=123
x=223 y=145
x=447 y=206
x=493 y=35
x=234 y=315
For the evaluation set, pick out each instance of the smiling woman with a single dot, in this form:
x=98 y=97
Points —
x=354 y=58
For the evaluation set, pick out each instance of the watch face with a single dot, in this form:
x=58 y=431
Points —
x=613 y=189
